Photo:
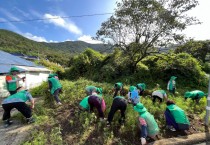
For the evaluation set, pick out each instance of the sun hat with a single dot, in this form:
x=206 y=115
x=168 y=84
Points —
x=118 y=85
x=14 y=69
x=132 y=88
x=140 y=108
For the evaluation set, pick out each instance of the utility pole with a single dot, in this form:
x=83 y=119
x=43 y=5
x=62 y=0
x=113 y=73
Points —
x=208 y=106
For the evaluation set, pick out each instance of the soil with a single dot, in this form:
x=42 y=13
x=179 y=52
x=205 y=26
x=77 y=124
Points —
x=15 y=133
x=73 y=134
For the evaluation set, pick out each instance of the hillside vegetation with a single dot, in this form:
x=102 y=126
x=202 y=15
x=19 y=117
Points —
x=69 y=125
x=56 y=52
x=77 y=46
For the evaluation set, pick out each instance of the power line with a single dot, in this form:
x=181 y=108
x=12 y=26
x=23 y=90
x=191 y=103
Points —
x=58 y=17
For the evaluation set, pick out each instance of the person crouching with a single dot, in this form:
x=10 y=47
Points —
x=95 y=101
x=147 y=123
x=119 y=103
x=176 y=118
x=18 y=101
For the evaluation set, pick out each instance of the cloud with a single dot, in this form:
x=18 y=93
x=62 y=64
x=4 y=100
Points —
x=9 y=15
x=58 y=21
x=35 y=13
x=34 y=37
x=88 y=39
x=52 y=41
x=10 y=26
x=21 y=12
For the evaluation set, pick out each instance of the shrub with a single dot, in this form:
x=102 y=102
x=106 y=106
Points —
x=182 y=65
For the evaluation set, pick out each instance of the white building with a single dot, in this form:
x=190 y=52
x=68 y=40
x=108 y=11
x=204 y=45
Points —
x=34 y=74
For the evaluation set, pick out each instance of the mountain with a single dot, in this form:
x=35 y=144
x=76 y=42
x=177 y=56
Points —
x=57 y=52
x=77 y=46
x=13 y=42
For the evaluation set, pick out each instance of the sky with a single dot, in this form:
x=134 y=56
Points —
x=76 y=28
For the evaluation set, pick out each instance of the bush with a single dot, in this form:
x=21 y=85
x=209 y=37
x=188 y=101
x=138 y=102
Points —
x=68 y=120
x=182 y=65
x=206 y=67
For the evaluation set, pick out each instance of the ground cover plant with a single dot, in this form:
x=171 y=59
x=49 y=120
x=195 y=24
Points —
x=66 y=124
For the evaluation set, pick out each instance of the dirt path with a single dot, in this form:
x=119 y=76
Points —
x=14 y=134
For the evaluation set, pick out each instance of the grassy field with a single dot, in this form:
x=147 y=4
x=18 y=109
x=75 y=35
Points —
x=66 y=124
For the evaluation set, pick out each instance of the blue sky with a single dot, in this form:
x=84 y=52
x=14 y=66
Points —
x=59 y=30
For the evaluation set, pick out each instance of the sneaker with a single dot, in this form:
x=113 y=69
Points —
x=30 y=120
x=143 y=141
x=59 y=103
x=108 y=124
x=7 y=123
x=102 y=119
x=171 y=128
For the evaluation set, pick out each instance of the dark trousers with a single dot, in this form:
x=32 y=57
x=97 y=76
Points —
x=143 y=131
x=95 y=101
x=20 y=106
x=141 y=92
x=172 y=91
x=156 y=97
x=13 y=92
x=56 y=95
x=118 y=104
x=170 y=120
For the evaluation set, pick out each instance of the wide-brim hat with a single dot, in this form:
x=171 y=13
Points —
x=14 y=69
x=132 y=88
x=141 y=86
x=51 y=75
x=173 y=77
x=99 y=90
x=140 y=108
x=118 y=85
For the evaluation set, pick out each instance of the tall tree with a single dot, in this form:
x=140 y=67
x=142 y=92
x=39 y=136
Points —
x=138 y=26
x=198 y=49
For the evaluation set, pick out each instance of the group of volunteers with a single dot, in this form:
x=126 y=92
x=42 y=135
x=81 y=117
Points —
x=175 y=117
x=19 y=95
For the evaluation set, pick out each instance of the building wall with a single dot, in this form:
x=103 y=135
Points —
x=3 y=89
x=33 y=79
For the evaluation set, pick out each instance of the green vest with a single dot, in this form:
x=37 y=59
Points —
x=178 y=114
x=195 y=93
x=20 y=95
x=12 y=86
x=141 y=85
x=152 y=126
x=55 y=84
x=84 y=103
x=171 y=85
x=121 y=97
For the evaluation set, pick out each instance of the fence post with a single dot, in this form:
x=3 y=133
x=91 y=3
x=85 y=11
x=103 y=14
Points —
x=208 y=106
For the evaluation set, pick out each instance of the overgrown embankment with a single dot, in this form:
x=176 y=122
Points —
x=66 y=124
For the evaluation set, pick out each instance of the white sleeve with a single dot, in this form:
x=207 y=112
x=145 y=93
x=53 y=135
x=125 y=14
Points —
x=168 y=85
x=129 y=95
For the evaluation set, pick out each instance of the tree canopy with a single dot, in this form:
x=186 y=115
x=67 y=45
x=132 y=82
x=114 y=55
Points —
x=198 y=49
x=139 y=26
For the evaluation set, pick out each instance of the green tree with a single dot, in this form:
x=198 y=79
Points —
x=137 y=26
x=198 y=49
